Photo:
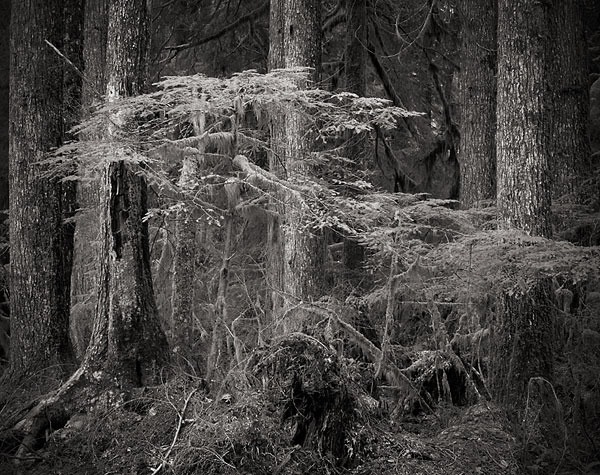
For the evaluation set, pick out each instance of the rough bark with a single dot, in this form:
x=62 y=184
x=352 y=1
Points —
x=523 y=342
x=570 y=101
x=296 y=42
x=477 y=100
x=40 y=244
x=522 y=135
x=274 y=264
x=86 y=264
x=127 y=340
x=73 y=12
x=4 y=80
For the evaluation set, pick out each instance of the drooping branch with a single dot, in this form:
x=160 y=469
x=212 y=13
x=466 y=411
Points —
x=264 y=178
x=263 y=8
x=390 y=90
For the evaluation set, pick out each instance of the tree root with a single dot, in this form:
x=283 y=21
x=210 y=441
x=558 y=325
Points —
x=51 y=411
x=54 y=410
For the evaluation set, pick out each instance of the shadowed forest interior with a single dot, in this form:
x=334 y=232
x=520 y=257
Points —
x=299 y=237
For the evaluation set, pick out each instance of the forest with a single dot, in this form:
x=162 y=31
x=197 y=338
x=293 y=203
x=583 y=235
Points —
x=299 y=237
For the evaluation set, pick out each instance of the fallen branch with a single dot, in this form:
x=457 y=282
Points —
x=177 y=432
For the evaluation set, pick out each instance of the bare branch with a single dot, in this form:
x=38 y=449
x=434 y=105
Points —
x=264 y=7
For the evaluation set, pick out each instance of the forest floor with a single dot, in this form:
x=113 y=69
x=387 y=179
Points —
x=264 y=427
x=248 y=436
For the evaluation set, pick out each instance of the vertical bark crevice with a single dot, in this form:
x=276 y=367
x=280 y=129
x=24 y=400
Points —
x=523 y=139
x=296 y=266
x=477 y=99
x=127 y=345
x=42 y=91
x=570 y=159
x=86 y=263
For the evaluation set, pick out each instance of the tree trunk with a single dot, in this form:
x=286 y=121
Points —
x=127 y=341
x=570 y=101
x=523 y=342
x=296 y=257
x=522 y=135
x=477 y=99
x=304 y=250
x=183 y=323
x=40 y=244
x=275 y=257
x=296 y=42
x=4 y=80
x=86 y=263
x=73 y=11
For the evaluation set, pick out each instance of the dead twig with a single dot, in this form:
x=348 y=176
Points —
x=177 y=432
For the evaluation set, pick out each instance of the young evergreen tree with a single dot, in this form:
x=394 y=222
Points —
x=41 y=247
x=477 y=102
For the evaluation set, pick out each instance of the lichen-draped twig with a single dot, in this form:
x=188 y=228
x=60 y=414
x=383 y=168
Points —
x=265 y=178
x=389 y=316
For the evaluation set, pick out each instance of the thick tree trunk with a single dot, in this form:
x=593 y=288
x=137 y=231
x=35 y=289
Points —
x=570 y=101
x=296 y=42
x=523 y=342
x=73 y=11
x=522 y=135
x=274 y=257
x=127 y=341
x=86 y=263
x=477 y=99
x=4 y=80
x=296 y=257
x=277 y=160
x=304 y=250
x=128 y=347
x=40 y=244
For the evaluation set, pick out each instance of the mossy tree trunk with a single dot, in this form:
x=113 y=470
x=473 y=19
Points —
x=524 y=126
x=570 y=101
x=184 y=327
x=41 y=245
x=523 y=139
x=296 y=42
x=127 y=340
x=86 y=264
x=477 y=100
x=522 y=341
